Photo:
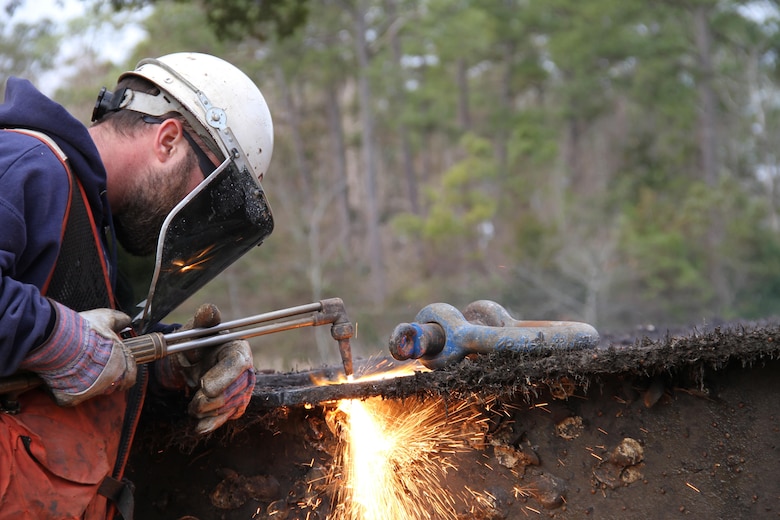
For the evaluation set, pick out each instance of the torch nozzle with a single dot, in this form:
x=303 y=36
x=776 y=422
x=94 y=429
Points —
x=341 y=330
x=345 y=349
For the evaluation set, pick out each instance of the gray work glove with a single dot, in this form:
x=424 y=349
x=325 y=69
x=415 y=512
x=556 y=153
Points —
x=222 y=377
x=83 y=357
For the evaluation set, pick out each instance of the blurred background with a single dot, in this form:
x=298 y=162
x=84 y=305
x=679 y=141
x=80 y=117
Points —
x=608 y=161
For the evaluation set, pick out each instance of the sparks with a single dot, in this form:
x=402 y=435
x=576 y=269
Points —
x=393 y=457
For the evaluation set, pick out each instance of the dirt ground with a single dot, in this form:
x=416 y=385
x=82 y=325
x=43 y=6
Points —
x=650 y=425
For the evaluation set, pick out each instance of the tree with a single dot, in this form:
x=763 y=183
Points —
x=27 y=50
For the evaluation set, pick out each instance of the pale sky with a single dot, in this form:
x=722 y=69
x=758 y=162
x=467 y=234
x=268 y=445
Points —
x=32 y=10
x=113 y=45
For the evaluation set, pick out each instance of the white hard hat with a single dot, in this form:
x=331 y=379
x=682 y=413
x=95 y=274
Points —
x=225 y=103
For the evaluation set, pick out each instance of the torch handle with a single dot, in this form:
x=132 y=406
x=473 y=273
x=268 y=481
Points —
x=147 y=348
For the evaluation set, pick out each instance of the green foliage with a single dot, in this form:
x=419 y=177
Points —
x=590 y=67
x=26 y=50
x=663 y=247
x=532 y=142
x=170 y=29
x=460 y=200
x=235 y=19
x=758 y=294
x=453 y=30
x=665 y=244
x=532 y=245
x=750 y=250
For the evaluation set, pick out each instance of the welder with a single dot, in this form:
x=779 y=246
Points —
x=175 y=148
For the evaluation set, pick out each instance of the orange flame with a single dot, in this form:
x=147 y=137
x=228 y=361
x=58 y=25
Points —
x=379 y=371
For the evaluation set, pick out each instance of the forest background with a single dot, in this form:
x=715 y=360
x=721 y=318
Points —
x=608 y=161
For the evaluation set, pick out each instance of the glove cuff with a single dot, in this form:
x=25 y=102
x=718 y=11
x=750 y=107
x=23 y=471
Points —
x=73 y=356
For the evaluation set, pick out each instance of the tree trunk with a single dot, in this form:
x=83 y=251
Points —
x=298 y=146
x=708 y=141
x=399 y=100
x=338 y=152
x=765 y=142
x=708 y=145
x=502 y=138
x=571 y=181
x=369 y=158
x=464 y=114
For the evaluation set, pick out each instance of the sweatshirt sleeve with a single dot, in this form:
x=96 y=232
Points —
x=34 y=194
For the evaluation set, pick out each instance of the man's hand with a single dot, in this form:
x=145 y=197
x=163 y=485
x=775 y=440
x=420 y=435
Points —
x=223 y=377
x=226 y=388
x=83 y=357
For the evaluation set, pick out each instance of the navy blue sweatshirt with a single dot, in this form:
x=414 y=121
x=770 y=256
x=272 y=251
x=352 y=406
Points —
x=33 y=201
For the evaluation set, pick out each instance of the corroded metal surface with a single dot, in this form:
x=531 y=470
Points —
x=506 y=372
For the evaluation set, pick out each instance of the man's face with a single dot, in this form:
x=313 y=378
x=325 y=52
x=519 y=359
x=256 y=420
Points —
x=155 y=194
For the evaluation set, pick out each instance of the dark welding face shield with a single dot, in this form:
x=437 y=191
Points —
x=216 y=224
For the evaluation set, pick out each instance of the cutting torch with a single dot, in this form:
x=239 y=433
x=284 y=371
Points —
x=153 y=346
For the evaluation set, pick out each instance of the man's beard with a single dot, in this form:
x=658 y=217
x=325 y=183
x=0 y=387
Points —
x=155 y=195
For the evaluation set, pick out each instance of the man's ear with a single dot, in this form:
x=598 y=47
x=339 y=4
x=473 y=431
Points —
x=169 y=139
